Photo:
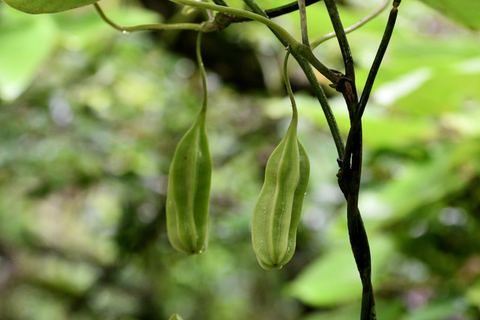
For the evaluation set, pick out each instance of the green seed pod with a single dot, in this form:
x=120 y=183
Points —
x=47 y=6
x=189 y=190
x=189 y=183
x=278 y=209
x=279 y=206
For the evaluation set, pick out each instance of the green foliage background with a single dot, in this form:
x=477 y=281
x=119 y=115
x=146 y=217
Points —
x=89 y=120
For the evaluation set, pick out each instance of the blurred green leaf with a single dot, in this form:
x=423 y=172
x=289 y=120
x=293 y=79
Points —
x=47 y=6
x=473 y=294
x=464 y=12
x=349 y=312
x=333 y=278
x=84 y=154
x=427 y=182
x=437 y=310
x=380 y=130
x=386 y=309
x=25 y=43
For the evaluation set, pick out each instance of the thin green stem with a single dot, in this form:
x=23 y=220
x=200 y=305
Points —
x=303 y=22
x=296 y=46
x=202 y=71
x=307 y=53
x=322 y=99
x=256 y=9
x=289 y=87
x=316 y=87
x=242 y=13
x=353 y=27
x=206 y=26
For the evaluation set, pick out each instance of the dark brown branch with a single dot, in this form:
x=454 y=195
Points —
x=342 y=39
x=349 y=180
x=270 y=13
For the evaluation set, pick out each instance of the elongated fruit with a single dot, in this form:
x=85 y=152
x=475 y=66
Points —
x=189 y=182
x=279 y=205
x=189 y=190
x=47 y=6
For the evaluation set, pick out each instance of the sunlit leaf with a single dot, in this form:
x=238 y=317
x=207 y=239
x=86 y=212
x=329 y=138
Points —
x=465 y=12
x=473 y=294
x=47 y=6
x=434 y=311
x=333 y=278
x=25 y=43
x=379 y=130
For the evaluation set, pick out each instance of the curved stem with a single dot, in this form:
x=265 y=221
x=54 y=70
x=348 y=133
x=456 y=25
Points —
x=289 y=87
x=351 y=28
x=296 y=46
x=204 y=27
x=242 y=13
x=202 y=71
x=316 y=87
x=303 y=22
x=322 y=99
x=274 y=12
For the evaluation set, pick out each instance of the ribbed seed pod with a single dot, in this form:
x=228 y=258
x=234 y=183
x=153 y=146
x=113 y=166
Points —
x=279 y=206
x=189 y=185
x=189 y=191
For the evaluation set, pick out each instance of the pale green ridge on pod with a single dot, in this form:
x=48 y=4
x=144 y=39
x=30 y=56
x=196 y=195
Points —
x=278 y=209
x=175 y=317
x=47 y=6
x=189 y=190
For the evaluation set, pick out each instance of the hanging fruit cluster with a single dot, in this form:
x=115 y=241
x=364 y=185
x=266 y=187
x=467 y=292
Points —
x=278 y=209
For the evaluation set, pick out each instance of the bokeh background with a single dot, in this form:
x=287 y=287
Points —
x=89 y=121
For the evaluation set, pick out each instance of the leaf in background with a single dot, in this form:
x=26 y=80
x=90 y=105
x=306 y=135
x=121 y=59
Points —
x=388 y=309
x=434 y=311
x=25 y=43
x=473 y=294
x=424 y=183
x=47 y=6
x=380 y=129
x=349 y=312
x=389 y=132
x=465 y=12
x=333 y=278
